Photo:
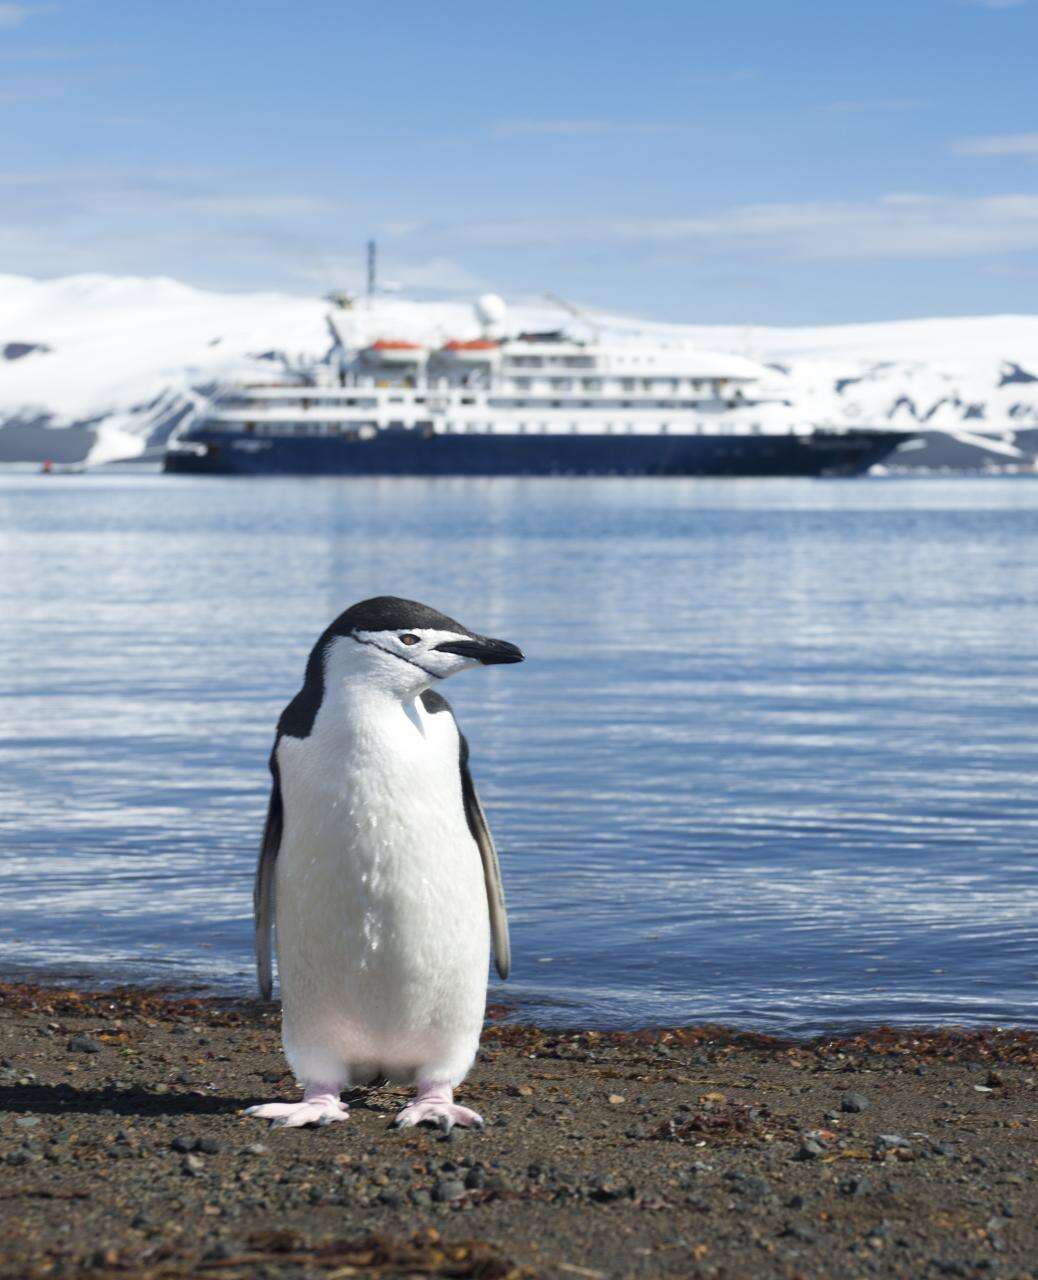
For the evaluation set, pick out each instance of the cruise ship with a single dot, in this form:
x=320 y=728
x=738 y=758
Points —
x=550 y=403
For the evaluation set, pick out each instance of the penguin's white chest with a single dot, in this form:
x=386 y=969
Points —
x=382 y=923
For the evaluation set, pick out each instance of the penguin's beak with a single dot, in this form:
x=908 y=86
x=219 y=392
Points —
x=483 y=649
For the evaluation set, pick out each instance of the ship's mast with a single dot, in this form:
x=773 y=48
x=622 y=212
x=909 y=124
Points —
x=574 y=310
x=372 y=269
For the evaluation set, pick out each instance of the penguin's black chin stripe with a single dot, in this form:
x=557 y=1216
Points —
x=403 y=657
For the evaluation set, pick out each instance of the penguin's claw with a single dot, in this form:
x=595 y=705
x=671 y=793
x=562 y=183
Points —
x=445 y=1115
x=293 y=1115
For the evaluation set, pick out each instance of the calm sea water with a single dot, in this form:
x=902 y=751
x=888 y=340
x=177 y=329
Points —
x=771 y=760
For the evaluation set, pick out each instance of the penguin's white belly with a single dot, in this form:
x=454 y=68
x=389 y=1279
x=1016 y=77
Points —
x=382 y=921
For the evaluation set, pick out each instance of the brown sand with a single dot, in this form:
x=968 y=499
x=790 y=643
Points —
x=668 y=1153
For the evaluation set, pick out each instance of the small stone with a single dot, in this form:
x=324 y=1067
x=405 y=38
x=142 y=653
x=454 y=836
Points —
x=854 y=1185
x=521 y=1091
x=604 y=1190
x=20 y=1157
x=615 y=1099
x=256 y=1149
x=27 y=1122
x=160 y=1088
x=183 y=1143
x=754 y=1189
x=854 y=1103
x=83 y=1044
x=476 y=1178
x=891 y=1142
x=447 y=1190
x=192 y=1166
x=944 y=1148
x=391 y=1199
x=209 y=1145
x=810 y=1149
x=797 y=1232
x=420 y=1198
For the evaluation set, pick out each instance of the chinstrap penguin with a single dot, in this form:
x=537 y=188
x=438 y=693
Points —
x=379 y=865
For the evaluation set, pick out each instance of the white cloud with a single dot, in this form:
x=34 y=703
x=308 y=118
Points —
x=899 y=226
x=878 y=104
x=36 y=197
x=437 y=274
x=998 y=144
x=573 y=128
x=13 y=15
x=231 y=205
x=42 y=54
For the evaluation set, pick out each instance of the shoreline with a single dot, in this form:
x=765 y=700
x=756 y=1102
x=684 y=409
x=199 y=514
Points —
x=689 y=1151
x=500 y=1008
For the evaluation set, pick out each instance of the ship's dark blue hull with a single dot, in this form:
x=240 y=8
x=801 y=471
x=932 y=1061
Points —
x=404 y=452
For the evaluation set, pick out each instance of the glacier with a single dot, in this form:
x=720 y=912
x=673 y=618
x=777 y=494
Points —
x=98 y=368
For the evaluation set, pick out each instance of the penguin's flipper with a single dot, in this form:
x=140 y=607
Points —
x=491 y=867
x=263 y=888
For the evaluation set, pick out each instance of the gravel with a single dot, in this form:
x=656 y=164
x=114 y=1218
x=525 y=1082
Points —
x=698 y=1177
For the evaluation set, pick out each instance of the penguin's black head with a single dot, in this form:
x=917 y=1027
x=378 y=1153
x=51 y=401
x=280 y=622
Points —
x=407 y=645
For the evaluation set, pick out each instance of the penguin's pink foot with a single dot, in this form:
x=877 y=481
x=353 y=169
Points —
x=318 y=1107
x=435 y=1105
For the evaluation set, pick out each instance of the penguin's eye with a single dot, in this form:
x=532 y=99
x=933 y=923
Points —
x=409 y=638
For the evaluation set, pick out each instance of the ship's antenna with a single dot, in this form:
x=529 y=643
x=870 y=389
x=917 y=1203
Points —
x=372 y=269
x=574 y=310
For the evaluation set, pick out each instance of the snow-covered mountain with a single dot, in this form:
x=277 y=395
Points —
x=105 y=367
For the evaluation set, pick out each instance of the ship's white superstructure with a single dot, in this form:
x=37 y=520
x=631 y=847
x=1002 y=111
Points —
x=552 y=402
x=533 y=383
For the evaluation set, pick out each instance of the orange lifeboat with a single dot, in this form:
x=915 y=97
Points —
x=396 y=351
x=474 y=349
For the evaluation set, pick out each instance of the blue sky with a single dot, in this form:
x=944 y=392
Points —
x=746 y=161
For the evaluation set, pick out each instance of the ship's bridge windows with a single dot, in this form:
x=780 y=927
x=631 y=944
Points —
x=592 y=384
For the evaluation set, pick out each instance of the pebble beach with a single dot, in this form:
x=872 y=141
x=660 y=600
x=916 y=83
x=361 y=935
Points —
x=695 y=1151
